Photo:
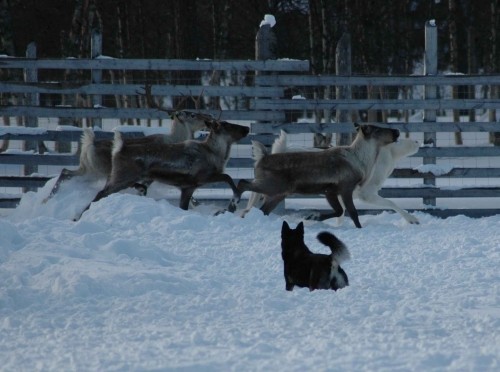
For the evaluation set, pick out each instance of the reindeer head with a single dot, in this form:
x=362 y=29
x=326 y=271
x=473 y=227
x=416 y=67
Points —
x=191 y=120
x=234 y=131
x=381 y=134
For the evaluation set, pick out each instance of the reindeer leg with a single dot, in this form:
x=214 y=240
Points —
x=271 y=202
x=332 y=198
x=110 y=188
x=65 y=175
x=349 y=205
x=186 y=194
x=236 y=192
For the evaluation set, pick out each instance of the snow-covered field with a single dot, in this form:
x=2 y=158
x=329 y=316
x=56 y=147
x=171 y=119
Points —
x=138 y=284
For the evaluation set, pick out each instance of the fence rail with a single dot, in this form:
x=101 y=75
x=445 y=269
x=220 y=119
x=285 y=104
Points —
x=264 y=102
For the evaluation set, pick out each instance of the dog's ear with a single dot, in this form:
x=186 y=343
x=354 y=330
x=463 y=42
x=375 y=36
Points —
x=300 y=228
x=285 y=227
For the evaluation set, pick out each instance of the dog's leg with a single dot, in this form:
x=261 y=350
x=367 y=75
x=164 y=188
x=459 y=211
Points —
x=288 y=283
x=377 y=200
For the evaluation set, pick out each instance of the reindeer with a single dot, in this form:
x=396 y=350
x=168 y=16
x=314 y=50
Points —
x=95 y=155
x=186 y=165
x=333 y=172
x=384 y=166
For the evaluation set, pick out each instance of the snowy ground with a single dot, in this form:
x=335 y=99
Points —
x=139 y=284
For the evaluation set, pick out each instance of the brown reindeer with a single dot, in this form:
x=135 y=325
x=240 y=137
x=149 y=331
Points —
x=333 y=172
x=186 y=165
x=95 y=155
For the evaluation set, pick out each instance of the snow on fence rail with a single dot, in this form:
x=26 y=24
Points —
x=269 y=102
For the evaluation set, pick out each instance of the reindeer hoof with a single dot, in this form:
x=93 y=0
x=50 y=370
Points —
x=315 y=216
x=221 y=211
x=141 y=189
x=231 y=208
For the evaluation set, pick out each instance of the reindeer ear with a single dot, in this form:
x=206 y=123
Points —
x=210 y=124
x=367 y=129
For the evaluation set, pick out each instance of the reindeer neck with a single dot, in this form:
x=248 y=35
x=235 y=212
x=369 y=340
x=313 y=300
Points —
x=219 y=145
x=179 y=132
x=367 y=155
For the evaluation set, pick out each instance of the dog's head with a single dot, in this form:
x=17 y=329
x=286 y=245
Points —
x=289 y=235
x=292 y=241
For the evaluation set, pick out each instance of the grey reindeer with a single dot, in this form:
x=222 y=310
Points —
x=333 y=172
x=95 y=155
x=186 y=165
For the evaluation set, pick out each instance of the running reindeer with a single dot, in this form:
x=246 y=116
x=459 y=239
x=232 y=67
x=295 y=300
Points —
x=186 y=165
x=333 y=172
x=95 y=155
x=368 y=192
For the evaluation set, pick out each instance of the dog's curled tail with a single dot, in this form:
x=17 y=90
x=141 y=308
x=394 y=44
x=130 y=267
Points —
x=259 y=151
x=339 y=249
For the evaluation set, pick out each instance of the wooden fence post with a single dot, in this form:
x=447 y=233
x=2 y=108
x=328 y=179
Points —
x=96 y=75
x=430 y=92
x=343 y=67
x=265 y=43
x=33 y=99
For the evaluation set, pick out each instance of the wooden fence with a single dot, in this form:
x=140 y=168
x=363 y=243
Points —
x=268 y=95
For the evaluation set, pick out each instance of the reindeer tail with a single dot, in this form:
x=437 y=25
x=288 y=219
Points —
x=88 y=138
x=339 y=249
x=259 y=151
x=279 y=145
x=117 y=143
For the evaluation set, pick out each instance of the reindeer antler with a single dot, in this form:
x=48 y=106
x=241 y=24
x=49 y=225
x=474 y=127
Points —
x=150 y=101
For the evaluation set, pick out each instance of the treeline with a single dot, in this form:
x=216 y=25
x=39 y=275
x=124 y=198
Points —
x=387 y=35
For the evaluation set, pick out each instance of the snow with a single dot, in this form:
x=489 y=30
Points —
x=269 y=19
x=21 y=130
x=437 y=170
x=138 y=284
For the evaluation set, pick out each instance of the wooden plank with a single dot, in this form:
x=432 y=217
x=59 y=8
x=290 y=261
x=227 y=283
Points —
x=458 y=152
x=9 y=202
x=134 y=89
x=311 y=127
x=15 y=181
x=155 y=64
x=422 y=192
x=73 y=160
x=135 y=113
x=35 y=159
x=454 y=173
x=311 y=80
x=435 y=192
x=436 y=212
x=375 y=104
x=19 y=181
x=60 y=135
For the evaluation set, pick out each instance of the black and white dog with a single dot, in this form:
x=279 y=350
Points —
x=303 y=268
